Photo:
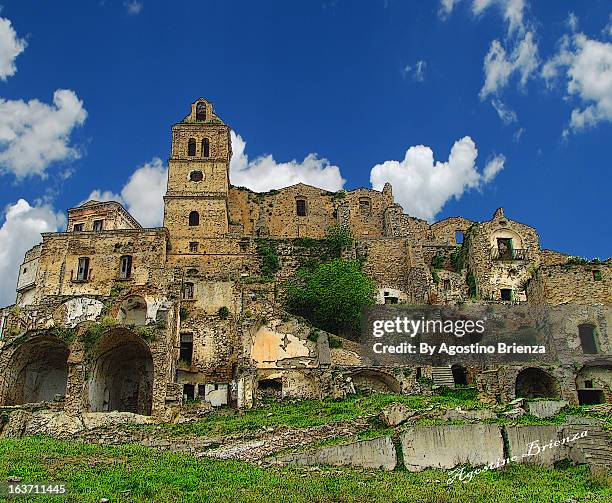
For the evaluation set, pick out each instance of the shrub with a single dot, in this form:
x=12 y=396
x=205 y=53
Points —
x=223 y=312
x=331 y=296
x=266 y=249
x=438 y=262
x=339 y=238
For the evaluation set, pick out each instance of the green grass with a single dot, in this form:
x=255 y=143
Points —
x=307 y=413
x=134 y=473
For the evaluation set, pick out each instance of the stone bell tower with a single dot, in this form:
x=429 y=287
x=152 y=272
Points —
x=195 y=204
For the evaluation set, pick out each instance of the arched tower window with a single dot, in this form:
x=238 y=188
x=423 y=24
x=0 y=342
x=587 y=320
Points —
x=201 y=111
x=205 y=147
x=194 y=219
x=191 y=147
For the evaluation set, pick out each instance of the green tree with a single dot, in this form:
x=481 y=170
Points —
x=332 y=295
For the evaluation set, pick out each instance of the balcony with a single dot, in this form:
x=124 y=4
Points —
x=508 y=254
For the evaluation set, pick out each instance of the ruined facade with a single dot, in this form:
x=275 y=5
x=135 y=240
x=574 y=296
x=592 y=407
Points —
x=112 y=316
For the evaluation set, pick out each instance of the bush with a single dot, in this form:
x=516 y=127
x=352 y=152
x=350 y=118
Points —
x=266 y=249
x=223 y=312
x=438 y=262
x=339 y=238
x=332 y=295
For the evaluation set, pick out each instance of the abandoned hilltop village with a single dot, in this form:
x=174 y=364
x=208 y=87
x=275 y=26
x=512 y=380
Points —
x=110 y=316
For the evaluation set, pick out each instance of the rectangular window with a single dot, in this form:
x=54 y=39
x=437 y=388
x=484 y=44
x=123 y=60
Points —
x=193 y=247
x=504 y=248
x=458 y=237
x=98 y=225
x=506 y=294
x=447 y=284
x=300 y=207
x=588 y=342
x=83 y=269
x=596 y=275
x=78 y=227
x=365 y=206
x=188 y=392
x=186 y=350
x=588 y=383
x=125 y=267
x=188 y=291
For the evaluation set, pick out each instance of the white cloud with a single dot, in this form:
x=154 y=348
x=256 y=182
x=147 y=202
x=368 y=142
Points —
x=507 y=115
x=11 y=46
x=572 y=21
x=493 y=167
x=34 y=134
x=142 y=195
x=422 y=186
x=518 y=134
x=446 y=7
x=499 y=66
x=264 y=173
x=608 y=29
x=587 y=64
x=20 y=231
x=513 y=12
x=417 y=73
x=133 y=7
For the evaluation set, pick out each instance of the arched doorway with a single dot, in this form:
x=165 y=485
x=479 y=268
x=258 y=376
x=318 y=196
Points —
x=37 y=371
x=121 y=378
x=374 y=381
x=535 y=383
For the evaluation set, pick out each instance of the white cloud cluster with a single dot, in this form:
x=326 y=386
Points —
x=142 y=195
x=587 y=66
x=133 y=7
x=11 y=46
x=264 y=173
x=422 y=186
x=499 y=66
x=34 y=134
x=507 y=115
x=417 y=72
x=20 y=231
x=513 y=11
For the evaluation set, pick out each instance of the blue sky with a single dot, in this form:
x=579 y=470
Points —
x=358 y=83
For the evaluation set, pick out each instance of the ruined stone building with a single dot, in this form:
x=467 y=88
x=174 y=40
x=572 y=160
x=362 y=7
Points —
x=113 y=316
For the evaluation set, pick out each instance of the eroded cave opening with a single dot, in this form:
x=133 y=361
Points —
x=37 y=372
x=536 y=383
x=121 y=378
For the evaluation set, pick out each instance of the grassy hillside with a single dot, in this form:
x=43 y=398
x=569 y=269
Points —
x=133 y=473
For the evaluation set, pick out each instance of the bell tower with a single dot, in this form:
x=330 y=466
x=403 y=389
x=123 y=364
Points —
x=195 y=204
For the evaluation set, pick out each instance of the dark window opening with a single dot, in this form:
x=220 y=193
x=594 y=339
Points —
x=201 y=112
x=196 y=176
x=194 y=219
x=83 y=269
x=391 y=300
x=188 y=291
x=270 y=387
x=588 y=341
x=506 y=294
x=365 y=205
x=300 y=207
x=588 y=383
x=191 y=147
x=419 y=373
x=590 y=397
x=201 y=390
x=78 y=227
x=98 y=225
x=504 y=248
x=186 y=349
x=193 y=247
x=125 y=266
x=188 y=392
x=458 y=237
x=596 y=275
x=192 y=272
x=446 y=284
x=205 y=147
x=459 y=375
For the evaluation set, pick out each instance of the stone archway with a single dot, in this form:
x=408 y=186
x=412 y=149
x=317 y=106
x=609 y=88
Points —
x=375 y=381
x=121 y=377
x=37 y=371
x=536 y=383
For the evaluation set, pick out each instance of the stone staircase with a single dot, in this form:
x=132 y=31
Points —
x=595 y=449
x=443 y=376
